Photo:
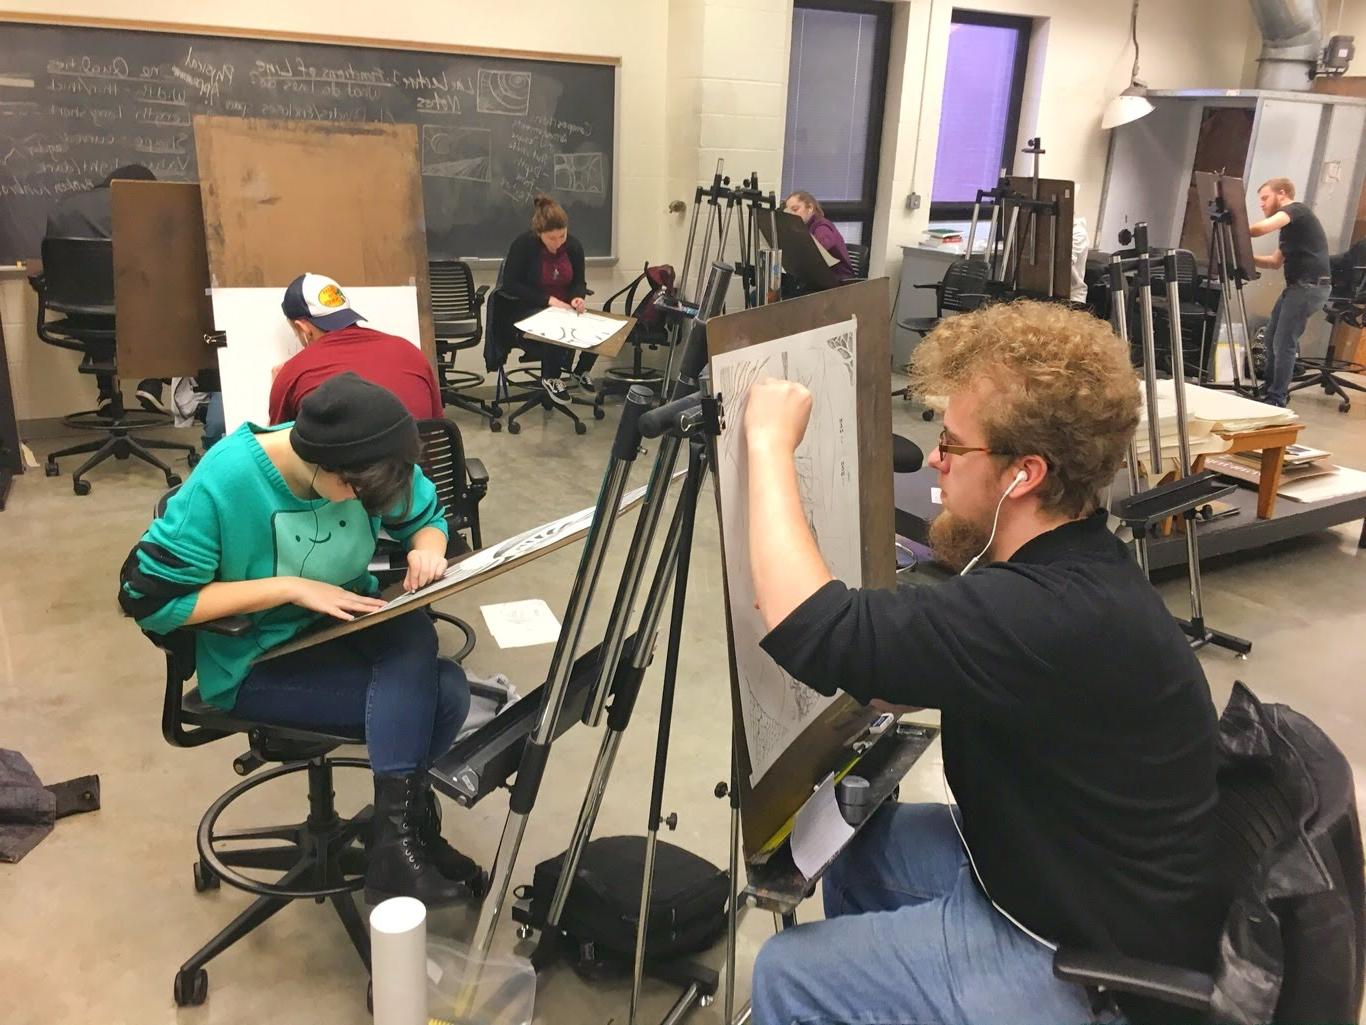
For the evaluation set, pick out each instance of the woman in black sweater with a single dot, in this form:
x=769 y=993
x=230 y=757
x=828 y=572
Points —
x=544 y=267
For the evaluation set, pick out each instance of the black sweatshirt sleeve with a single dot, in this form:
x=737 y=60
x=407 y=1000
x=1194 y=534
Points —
x=519 y=272
x=578 y=288
x=953 y=646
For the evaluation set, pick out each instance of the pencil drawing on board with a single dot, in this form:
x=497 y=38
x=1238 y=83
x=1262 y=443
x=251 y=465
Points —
x=775 y=707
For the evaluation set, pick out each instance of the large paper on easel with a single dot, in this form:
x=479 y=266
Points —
x=776 y=707
x=260 y=339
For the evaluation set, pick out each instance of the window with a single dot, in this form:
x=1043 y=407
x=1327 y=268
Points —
x=980 y=116
x=836 y=86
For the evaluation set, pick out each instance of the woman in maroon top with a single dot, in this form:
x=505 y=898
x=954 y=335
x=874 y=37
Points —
x=544 y=267
x=804 y=205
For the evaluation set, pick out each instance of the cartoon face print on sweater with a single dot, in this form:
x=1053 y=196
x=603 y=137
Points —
x=332 y=542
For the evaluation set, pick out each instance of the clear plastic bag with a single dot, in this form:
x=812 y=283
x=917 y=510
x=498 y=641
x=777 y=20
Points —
x=505 y=993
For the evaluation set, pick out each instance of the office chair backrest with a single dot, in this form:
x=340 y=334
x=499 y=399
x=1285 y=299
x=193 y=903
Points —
x=858 y=259
x=453 y=307
x=963 y=285
x=78 y=276
x=443 y=462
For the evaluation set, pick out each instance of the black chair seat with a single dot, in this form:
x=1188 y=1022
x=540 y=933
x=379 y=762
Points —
x=459 y=334
x=920 y=325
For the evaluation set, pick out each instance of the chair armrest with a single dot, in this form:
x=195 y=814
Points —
x=477 y=471
x=932 y=284
x=227 y=626
x=1122 y=974
x=481 y=291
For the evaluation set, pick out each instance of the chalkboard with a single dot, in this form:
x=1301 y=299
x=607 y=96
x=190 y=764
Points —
x=77 y=102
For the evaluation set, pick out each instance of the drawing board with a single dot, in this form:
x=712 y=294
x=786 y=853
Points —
x=790 y=739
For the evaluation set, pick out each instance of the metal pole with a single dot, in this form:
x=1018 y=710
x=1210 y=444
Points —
x=733 y=908
x=697 y=468
x=1119 y=317
x=537 y=752
x=1179 y=386
x=692 y=234
x=1145 y=301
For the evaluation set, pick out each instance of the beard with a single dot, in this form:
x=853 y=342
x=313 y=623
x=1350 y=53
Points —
x=956 y=540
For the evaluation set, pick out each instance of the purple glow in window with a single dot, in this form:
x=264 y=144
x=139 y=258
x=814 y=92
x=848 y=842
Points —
x=976 y=111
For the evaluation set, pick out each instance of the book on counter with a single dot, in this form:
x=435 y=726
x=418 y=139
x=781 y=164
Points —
x=1249 y=471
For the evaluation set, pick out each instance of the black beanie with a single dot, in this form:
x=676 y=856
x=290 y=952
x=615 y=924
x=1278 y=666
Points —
x=348 y=422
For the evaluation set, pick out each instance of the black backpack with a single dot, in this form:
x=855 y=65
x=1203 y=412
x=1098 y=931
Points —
x=687 y=912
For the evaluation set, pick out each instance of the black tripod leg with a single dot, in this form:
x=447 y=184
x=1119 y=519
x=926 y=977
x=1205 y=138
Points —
x=688 y=502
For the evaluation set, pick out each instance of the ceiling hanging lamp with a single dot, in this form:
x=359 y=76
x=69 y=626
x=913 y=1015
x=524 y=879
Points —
x=1132 y=103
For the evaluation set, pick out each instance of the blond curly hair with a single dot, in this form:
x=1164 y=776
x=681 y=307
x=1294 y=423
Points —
x=1062 y=384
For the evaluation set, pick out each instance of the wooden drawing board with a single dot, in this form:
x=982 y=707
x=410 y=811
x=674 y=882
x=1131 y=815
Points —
x=475 y=568
x=161 y=280
x=766 y=806
x=340 y=199
x=802 y=258
x=1033 y=277
x=609 y=347
x=1234 y=197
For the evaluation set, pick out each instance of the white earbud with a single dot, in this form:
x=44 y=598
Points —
x=1020 y=478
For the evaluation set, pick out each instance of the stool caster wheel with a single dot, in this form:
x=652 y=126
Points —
x=191 y=988
x=524 y=932
x=495 y=426
x=80 y=487
x=1344 y=405
x=580 y=428
x=928 y=415
x=52 y=469
x=192 y=460
x=204 y=878
x=514 y=427
x=172 y=480
x=599 y=413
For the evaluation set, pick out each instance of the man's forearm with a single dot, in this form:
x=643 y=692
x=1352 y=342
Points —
x=786 y=565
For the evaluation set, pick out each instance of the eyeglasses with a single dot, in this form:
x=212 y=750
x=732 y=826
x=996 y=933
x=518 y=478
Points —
x=946 y=450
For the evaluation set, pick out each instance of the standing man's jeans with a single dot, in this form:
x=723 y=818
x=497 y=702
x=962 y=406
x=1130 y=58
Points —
x=909 y=939
x=1288 y=318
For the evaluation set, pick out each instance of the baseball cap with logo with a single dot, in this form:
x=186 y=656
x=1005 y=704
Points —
x=319 y=300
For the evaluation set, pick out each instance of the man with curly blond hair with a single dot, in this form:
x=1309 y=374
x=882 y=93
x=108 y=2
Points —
x=1078 y=730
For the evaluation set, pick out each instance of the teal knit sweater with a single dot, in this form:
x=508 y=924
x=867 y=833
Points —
x=236 y=519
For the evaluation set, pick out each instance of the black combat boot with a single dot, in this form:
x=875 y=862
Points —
x=399 y=867
x=457 y=867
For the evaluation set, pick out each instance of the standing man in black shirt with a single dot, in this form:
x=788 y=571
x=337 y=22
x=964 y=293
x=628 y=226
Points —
x=1078 y=730
x=1303 y=252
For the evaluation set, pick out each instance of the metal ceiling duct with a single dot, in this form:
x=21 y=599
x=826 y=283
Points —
x=1292 y=39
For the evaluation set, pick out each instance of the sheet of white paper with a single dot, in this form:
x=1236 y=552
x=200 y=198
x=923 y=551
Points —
x=521 y=624
x=819 y=830
x=775 y=707
x=1341 y=484
x=581 y=330
x=260 y=339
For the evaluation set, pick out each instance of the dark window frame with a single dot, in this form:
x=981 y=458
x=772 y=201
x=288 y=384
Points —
x=1024 y=29
x=864 y=210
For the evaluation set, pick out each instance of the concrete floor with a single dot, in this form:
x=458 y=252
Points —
x=96 y=919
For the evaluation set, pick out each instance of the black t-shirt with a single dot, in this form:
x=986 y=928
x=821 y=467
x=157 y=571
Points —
x=1078 y=733
x=1305 y=246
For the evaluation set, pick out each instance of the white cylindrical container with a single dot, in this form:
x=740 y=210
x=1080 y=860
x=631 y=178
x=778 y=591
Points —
x=398 y=961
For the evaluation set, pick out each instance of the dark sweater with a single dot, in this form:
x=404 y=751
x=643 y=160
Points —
x=522 y=271
x=1078 y=732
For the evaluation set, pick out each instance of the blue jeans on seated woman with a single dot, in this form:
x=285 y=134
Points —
x=909 y=939
x=385 y=684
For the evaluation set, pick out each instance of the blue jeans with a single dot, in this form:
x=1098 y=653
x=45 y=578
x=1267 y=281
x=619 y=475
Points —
x=1288 y=319
x=385 y=684
x=909 y=938
x=215 y=425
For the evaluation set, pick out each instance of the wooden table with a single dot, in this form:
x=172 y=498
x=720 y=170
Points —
x=1271 y=441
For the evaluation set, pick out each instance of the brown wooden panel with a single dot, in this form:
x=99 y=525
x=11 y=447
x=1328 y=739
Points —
x=783 y=789
x=285 y=197
x=161 y=280
x=1033 y=277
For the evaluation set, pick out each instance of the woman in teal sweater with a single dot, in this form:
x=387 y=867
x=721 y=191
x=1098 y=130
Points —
x=279 y=525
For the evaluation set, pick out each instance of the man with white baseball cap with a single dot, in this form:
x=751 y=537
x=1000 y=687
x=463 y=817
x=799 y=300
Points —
x=334 y=341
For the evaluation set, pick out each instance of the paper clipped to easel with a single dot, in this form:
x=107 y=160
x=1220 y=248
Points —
x=775 y=707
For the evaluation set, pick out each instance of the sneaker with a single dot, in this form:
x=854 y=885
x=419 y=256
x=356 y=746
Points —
x=585 y=381
x=149 y=395
x=555 y=391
